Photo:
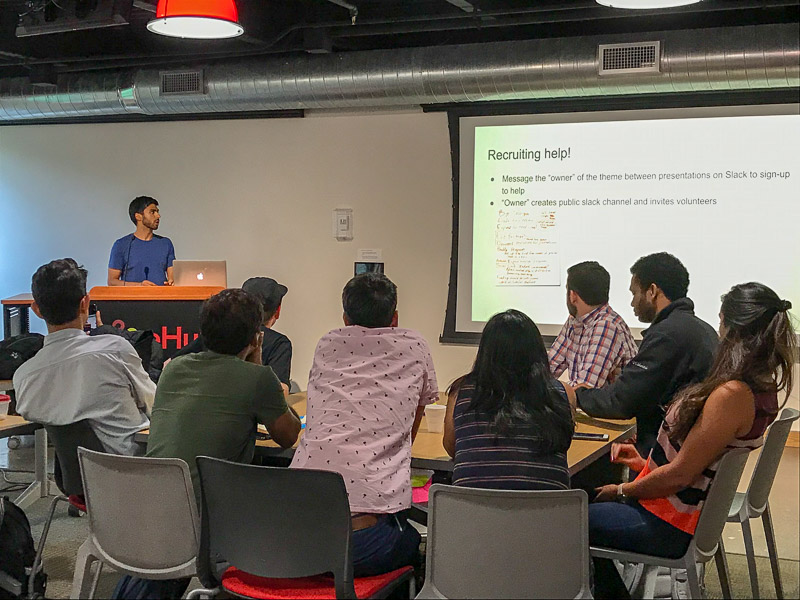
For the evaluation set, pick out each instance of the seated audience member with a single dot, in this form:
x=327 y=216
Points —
x=75 y=377
x=508 y=422
x=730 y=408
x=595 y=343
x=209 y=403
x=677 y=350
x=368 y=386
x=276 y=351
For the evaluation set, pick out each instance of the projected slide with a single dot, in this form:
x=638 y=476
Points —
x=722 y=193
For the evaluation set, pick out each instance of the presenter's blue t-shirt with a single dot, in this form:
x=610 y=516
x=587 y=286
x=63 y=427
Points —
x=139 y=260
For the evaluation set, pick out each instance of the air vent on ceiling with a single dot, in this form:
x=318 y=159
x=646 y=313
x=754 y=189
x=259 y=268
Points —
x=639 y=57
x=175 y=83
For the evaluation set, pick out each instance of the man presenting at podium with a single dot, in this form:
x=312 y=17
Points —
x=142 y=257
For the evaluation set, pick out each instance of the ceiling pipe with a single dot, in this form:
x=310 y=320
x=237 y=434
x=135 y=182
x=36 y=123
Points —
x=550 y=13
x=735 y=58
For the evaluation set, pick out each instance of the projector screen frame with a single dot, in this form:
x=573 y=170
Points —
x=455 y=112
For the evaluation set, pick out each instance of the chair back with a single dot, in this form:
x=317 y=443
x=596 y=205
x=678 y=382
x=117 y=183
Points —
x=507 y=544
x=142 y=511
x=66 y=440
x=769 y=459
x=714 y=512
x=274 y=522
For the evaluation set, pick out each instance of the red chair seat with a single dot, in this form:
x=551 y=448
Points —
x=318 y=586
x=78 y=502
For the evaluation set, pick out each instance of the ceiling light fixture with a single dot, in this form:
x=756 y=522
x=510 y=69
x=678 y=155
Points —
x=646 y=4
x=197 y=19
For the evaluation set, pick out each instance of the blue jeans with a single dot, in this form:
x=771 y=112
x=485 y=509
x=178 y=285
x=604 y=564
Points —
x=632 y=528
x=388 y=545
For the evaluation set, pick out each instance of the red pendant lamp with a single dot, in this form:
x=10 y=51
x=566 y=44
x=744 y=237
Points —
x=197 y=19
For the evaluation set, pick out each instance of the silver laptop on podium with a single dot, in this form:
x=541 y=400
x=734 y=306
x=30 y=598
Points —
x=200 y=272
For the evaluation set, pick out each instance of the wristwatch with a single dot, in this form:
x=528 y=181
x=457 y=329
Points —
x=620 y=494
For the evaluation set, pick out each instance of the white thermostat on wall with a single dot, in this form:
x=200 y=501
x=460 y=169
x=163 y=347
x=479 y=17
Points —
x=343 y=224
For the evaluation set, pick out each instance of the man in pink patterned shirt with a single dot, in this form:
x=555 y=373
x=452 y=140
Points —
x=595 y=343
x=368 y=386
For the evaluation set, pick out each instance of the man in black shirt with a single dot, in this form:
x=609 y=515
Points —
x=276 y=349
x=677 y=350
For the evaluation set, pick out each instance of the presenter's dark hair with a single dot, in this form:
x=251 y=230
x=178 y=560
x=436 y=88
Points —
x=666 y=271
x=758 y=348
x=513 y=382
x=229 y=320
x=58 y=288
x=138 y=205
x=370 y=300
x=590 y=281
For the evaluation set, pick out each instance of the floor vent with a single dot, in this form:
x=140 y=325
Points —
x=175 y=83
x=639 y=57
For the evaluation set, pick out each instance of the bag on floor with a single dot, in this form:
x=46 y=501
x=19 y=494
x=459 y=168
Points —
x=134 y=588
x=16 y=350
x=17 y=553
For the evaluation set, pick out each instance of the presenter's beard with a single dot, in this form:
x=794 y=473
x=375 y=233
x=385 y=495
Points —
x=152 y=225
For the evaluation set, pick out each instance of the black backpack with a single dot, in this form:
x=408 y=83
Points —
x=17 y=554
x=144 y=342
x=16 y=350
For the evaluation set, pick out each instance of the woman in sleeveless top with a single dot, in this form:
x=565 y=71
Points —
x=731 y=408
x=509 y=423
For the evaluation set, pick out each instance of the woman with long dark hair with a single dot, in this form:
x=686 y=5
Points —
x=509 y=423
x=731 y=408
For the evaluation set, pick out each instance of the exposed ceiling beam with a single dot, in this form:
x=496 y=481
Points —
x=142 y=5
x=462 y=4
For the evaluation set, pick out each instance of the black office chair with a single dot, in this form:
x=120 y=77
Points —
x=67 y=474
x=269 y=532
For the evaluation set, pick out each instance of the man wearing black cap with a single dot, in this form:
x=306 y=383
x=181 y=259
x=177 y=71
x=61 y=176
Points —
x=276 y=349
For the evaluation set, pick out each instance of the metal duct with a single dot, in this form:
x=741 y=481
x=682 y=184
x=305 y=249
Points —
x=735 y=58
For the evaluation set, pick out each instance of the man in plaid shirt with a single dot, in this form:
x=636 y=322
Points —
x=595 y=343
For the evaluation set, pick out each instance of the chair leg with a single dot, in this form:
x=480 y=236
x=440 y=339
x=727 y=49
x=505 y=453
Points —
x=81 y=581
x=96 y=578
x=772 y=549
x=412 y=587
x=695 y=593
x=650 y=575
x=37 y=561
x=721 y=561
x=751 y=556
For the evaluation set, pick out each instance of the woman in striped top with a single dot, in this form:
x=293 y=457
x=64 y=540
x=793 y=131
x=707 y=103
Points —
x=731 y=408
x=509 y=423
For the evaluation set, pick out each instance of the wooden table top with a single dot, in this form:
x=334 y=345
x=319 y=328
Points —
x=152 y=292
x=19 y=299
x=16 y=425
x=6 y=384
x=149 y=292
x=429 y=453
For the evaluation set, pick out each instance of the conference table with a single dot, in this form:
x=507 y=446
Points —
x=15 y=425
x=428 y=453
x=40 y=488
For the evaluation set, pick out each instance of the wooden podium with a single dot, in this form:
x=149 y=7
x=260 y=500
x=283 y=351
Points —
x=171 y=313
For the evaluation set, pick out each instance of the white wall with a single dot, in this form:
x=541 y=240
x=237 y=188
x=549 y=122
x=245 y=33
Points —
x=258 y=193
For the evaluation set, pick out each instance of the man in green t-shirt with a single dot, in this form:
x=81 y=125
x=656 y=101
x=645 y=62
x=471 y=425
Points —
x=209 y=403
